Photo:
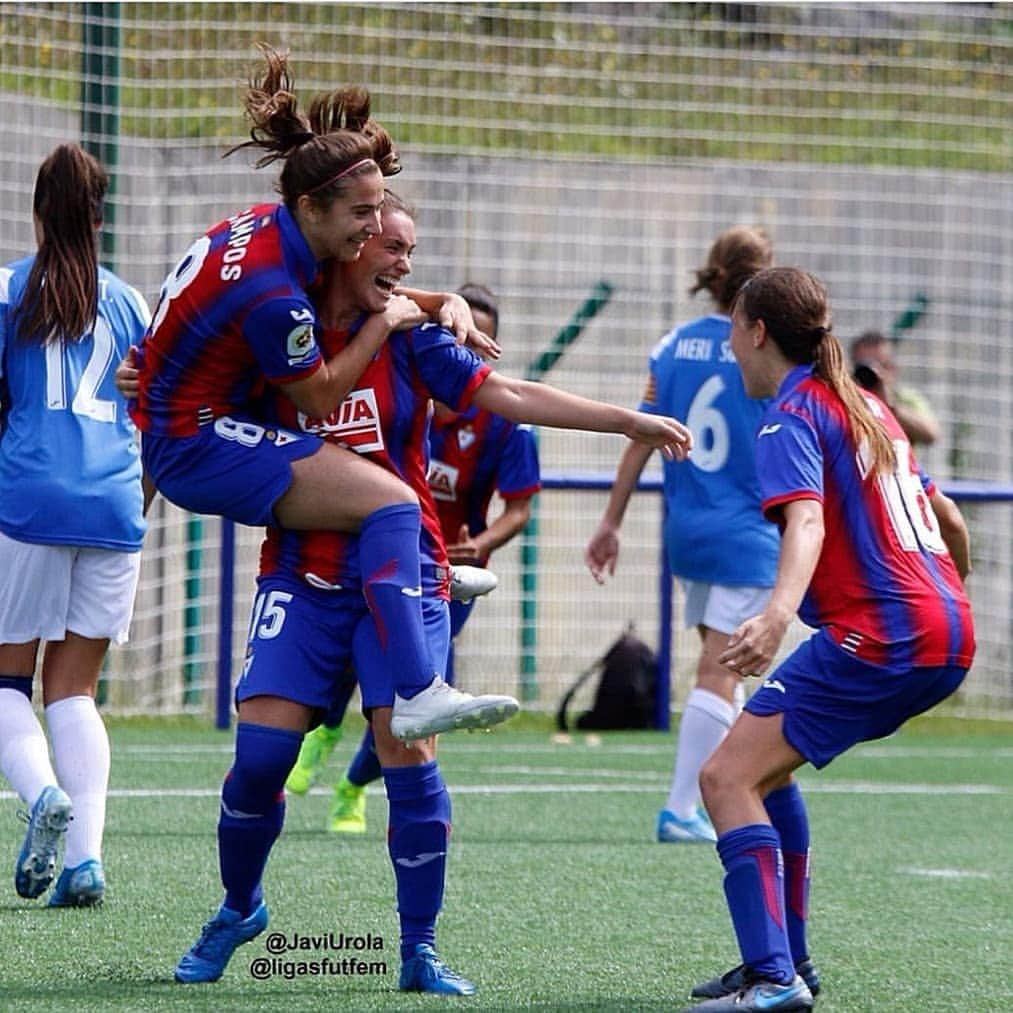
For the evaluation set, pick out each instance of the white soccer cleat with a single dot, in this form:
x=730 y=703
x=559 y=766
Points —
x=467 y=582
x=441 y=708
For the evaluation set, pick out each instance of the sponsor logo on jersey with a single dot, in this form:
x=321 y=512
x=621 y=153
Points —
x=465 y=437
x=356 y=424
x=300 y=344
x=774 y=684
x=768 y=430
x=443 y=480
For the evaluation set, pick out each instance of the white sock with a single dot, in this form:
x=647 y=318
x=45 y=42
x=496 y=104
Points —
x=706 y=719
x=24 y=754
x=81 y=754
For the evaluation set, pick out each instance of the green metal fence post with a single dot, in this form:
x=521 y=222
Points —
x=100 y=104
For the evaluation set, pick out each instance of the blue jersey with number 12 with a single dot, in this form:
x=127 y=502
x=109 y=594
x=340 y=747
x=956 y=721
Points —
x=69 y=467
x=715 y=531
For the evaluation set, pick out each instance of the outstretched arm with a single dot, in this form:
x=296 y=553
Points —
x=541 y=405
x=602 y=552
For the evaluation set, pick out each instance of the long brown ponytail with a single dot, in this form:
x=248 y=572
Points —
x=794 y=308
x=60 y=300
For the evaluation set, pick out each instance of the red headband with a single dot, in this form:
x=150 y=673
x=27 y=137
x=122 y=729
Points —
x=342 y=174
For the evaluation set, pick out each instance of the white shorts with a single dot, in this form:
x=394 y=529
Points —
x=47 y=591
x=721 y=608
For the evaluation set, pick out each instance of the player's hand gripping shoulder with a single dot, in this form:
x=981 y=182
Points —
x=402 y=313
x=453 y=313
x=602 y=552
x=672 y=438
x=127 y=375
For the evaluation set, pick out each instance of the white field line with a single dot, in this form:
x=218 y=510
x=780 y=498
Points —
x=455 y=745
x=811 y=787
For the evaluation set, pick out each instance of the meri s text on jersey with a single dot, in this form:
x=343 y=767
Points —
x=701 y=350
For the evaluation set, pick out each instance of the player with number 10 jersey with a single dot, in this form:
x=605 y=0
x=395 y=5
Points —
x=885 y=588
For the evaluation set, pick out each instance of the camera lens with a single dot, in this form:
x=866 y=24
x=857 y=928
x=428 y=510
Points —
x=865 y=376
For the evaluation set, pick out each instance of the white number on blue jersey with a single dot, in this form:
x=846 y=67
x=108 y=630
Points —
x=268 y=615
x=711 y=453
x=85 y=400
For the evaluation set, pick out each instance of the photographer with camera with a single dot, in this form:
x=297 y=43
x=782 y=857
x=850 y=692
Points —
x=875 y=369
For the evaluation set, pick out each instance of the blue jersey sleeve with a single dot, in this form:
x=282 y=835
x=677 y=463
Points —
x=280 y=333
x=789 y=461
x=518 y=474
x=448 y=370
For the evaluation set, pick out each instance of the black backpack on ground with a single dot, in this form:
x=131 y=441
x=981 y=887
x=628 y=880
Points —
x=625 y=695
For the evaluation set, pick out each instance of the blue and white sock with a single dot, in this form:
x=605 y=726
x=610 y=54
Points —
x=417 y=839
x=391 y=582
x=253 y=810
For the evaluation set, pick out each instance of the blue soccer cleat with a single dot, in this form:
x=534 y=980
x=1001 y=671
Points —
x=760 y=996
x=82 y=886
x=425 y=972
x=674 y=829
x=47 y=823
x=206 y=959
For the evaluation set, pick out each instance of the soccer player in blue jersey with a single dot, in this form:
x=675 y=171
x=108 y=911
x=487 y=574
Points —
x=473 y=454
x=71 y=521
x=310 y=619
x=234 y=316
x=873 y=556
x=716 y=540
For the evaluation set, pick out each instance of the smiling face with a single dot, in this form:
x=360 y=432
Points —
x=384 y=262
x=340 y=230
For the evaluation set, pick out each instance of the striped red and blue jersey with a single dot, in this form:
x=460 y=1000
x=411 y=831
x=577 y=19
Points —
x=386 y=418
x=232 y=313
x=474 y=454
x=885 y=588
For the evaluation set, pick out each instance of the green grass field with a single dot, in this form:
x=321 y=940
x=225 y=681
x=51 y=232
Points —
x=557 y=896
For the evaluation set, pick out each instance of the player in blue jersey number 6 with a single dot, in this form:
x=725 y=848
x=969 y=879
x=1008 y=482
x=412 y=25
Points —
x=235 y=316
x=873 y=557
x=71 y=522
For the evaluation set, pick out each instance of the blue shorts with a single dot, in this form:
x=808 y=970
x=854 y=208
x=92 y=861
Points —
x=302 y=639
x=235 y=468
x=830 y=700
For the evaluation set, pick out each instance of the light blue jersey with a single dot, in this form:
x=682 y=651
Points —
x=715 y=532
x=69 y=466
